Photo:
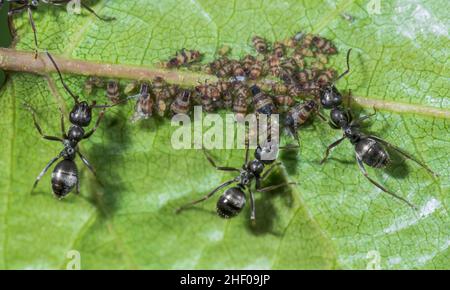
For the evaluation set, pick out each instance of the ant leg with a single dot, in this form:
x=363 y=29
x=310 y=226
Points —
x=17 y=10
x=61 y=78
x=269 y=170
x=90 y=132
x=44 y=171
x=96 y=15
x=63 y=127
x=206 y=196
x=336 y=143
x=252 y=206
x=213 y=163
x=363 y=170
x=405 y=154
x=30 y=18
x=363 y=118
x=86 y=162
x=247 y=146
x=273 y=187
x=38 y=127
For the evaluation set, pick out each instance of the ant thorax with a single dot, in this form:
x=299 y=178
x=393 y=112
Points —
x=69 y=149
x=245 y=177
x=353 y=133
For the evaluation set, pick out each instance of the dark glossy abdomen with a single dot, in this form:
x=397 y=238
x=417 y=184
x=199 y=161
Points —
x=372 y=153
x=231 y=202
x=64 y=178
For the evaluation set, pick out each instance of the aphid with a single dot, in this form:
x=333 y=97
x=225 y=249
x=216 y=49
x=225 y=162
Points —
x=278 y=88
x=294 y=89
x=300 y=114
x=65 y=174
x=221 y=67
x=325 y=77
x=369 y=149
x=237 y=69
x=262 y=102
x=322 y=58
x=317 y=65
x=305 y=51
x=131 y=88
x=209 y=94
x=184 y=57
x=144 y=103
x=274 y=64
x=240 y=105
x=91 y=83
x=224 y=50
x=306 y=40
x=260 y=44
x=284 y=101
x=292 y=42
x=306 y=75
x=299 y=60
x=113 y=91
x=247 y=63
x=163 y=94
x=233 y=200
x=31 y=5
x=256 y=70
x=182 y=103
x=324 y=45
x=278 y=49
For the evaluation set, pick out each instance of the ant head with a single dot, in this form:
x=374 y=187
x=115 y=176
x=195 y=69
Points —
x=340 y=117
x=76 y=133
x=81 y=114
x=256 y=167
x=231 y=203
x=330 y=97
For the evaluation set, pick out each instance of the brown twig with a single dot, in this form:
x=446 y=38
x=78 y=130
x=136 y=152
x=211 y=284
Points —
x=20 y=61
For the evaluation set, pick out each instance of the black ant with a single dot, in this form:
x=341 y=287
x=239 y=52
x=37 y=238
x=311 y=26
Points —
x=330 y=97
x=65 y=174
x=30 y=5
x=233 y=200
x=369 y=149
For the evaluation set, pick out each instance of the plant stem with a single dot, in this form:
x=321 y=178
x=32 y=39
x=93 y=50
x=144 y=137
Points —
x=20 y=61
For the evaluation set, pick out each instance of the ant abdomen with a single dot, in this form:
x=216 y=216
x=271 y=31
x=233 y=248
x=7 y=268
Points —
x=372 y=153
x=64 y=178
x=231 y=203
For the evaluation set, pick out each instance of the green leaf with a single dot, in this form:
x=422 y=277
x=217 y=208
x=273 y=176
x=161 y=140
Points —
x=333 y=218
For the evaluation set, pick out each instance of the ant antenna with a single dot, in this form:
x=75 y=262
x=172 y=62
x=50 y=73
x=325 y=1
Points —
x=61 y=78
x=348 y=66
x=96 y=15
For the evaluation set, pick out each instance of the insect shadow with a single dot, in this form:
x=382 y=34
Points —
x=108 y=157
x=265 y=205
